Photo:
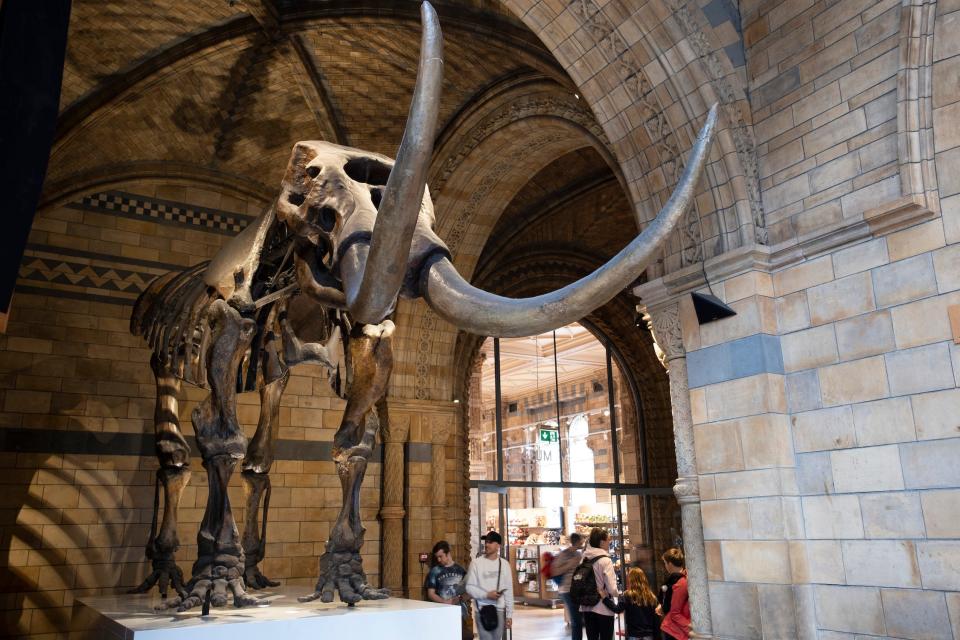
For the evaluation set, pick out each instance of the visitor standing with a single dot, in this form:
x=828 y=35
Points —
x=598 y=619
x=563 y=565
x=490 y=584
x=638 y=605
x=675 y=608
x=445 y=584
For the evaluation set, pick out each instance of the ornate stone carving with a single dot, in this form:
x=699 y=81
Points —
x=542 y=106
x=440 y=428
x=687 y=490
x=395 y=431
x=393 y=469
x=664 y=322
x=663 y=137
x=741 y=132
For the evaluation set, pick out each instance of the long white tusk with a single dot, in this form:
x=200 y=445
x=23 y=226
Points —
x=372 y=274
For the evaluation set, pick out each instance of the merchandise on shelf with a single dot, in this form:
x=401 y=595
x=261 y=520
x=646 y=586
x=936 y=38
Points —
x=593 y=519
x=517 y=535
x=539 y=525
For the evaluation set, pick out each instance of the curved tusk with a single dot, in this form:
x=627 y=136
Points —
x=484 y=313
x=371 y=282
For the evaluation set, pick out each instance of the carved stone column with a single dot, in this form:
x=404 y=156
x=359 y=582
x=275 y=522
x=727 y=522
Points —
x=440 y=428
x=473 y=428
x=395 y=432
x=665 y=324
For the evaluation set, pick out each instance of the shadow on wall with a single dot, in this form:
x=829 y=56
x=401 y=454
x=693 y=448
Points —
x=70 y=524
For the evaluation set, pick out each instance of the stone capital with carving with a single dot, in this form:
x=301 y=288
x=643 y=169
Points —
x=664 y=322
x=687 y=490
x=440 y=428
x=397 y=429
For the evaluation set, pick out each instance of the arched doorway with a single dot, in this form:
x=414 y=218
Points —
x=557 y=447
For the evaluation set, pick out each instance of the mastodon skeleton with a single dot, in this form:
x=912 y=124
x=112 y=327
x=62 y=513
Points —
x=315 y=279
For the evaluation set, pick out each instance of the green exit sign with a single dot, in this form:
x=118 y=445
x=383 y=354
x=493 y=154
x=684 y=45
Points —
x=549 y=435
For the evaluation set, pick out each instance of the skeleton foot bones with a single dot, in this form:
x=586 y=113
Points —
x=218 y=582
x=343 y=571
x=341 y=568
x=218 y=572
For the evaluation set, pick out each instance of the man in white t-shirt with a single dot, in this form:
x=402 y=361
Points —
x=490 y=582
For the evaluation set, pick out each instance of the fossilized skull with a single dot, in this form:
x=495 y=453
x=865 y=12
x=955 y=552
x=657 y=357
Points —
x=324 y=186
x=330 y=198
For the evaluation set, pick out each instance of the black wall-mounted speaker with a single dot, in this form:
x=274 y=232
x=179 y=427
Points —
x=710 y=308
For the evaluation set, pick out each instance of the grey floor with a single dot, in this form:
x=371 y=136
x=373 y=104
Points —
x=536 y=623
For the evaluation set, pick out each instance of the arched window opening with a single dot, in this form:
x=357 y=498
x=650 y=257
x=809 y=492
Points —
x=581 y=460
x=556 y=447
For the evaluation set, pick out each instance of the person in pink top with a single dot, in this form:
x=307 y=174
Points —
x=598 y=619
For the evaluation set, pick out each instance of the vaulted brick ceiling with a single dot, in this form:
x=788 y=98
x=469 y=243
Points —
x=229 y=87
x=575 y=200
x=221 y=90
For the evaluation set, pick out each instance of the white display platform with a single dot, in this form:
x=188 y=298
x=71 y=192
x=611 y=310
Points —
x=129 y=617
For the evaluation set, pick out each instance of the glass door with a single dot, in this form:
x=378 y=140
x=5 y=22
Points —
x=492 y=510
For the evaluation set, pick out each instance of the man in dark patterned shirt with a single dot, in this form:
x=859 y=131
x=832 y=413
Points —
x=445 y=584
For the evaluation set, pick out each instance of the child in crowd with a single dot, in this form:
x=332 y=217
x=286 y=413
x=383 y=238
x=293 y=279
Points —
x=638 y=603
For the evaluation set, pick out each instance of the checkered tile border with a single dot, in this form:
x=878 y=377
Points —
x=139 y=207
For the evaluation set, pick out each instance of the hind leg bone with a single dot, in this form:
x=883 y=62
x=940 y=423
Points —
x=173 y=476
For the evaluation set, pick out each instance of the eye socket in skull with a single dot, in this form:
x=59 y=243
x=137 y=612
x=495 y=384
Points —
x=368 y=171
x=323 y=217
x=330 y=193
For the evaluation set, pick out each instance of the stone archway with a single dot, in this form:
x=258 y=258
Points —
x=649 y=76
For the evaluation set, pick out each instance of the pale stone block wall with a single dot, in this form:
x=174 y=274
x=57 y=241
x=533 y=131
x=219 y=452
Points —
x=835 y=471
x=827 y=412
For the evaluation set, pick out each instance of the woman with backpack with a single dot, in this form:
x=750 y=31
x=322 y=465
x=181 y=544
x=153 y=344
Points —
x=597 y=617
x=639 y=604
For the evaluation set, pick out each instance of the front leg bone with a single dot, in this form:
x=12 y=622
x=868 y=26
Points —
x=219 y=565
x=341 y=567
